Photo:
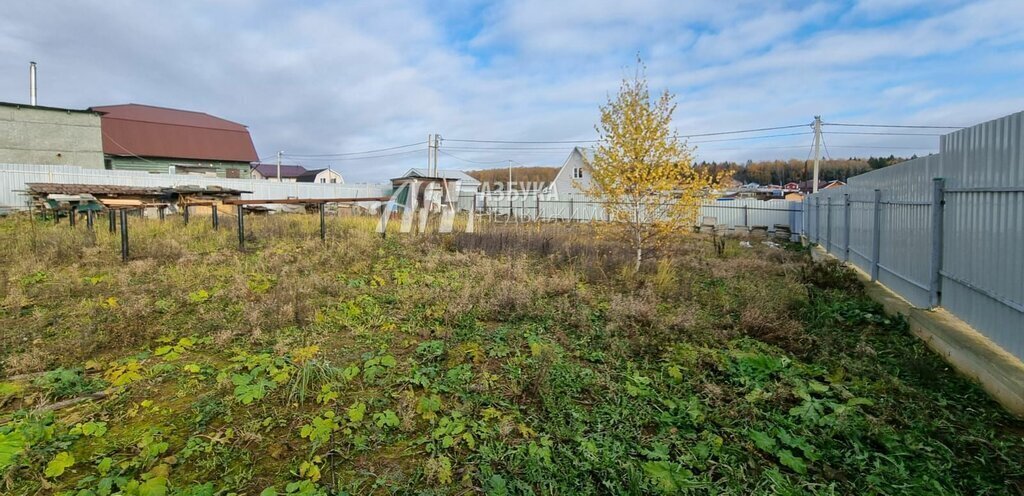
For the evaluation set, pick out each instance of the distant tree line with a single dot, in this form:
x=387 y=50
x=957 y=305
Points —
x=761 y=172
x=784 y=171
x=496 y=178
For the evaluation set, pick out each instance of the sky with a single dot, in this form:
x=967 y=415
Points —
x=327 y=78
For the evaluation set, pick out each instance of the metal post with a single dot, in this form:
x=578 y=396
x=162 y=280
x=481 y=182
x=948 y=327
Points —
x=124 y=234
x=536 y=198
x=846 y=227
x=72 y=217
x=572 y=212
x=90 y=219
x=112 y=217
x=323 y=225
x=161 y=211
x=214 y=217
x=817 y=219
x=185 y=214
x=828 y=225
x=745 y=216
x=938 y=202
x=876 y=238
x=241 y=228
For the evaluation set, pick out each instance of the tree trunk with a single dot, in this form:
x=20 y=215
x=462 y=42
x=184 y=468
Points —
x=639 y=257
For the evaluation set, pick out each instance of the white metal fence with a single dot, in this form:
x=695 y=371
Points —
x=944 y=230
x=14 y=177
x=738 y=213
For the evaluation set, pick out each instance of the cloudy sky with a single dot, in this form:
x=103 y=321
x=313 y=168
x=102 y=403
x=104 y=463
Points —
x=323 y=77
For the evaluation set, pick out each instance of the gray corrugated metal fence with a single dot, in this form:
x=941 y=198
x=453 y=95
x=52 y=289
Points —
x=944 y=230
x=731 y=213
x=13 y=178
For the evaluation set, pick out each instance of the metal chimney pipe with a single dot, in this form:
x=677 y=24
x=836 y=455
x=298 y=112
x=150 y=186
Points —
x=32 y=82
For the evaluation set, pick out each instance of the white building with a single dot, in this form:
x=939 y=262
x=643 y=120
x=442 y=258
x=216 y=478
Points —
x=466 y=185
x=297 y=174
x=574 y=177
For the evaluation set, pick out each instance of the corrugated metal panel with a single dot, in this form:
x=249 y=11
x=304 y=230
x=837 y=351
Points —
x=146 y=131
x=733 y=213
x=983 y=231
x=13 y=178
x=983 y=260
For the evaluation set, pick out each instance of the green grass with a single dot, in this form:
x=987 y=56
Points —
x=522 y=360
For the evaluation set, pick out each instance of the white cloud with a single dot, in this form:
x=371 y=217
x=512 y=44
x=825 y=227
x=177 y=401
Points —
x=332 y=77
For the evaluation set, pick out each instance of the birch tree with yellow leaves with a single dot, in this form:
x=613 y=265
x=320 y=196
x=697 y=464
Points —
x=642 y=171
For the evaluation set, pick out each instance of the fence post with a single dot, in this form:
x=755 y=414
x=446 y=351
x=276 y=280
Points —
x=111 y=216
x=241 y=227
x=876 y=237
x=162 y=211
x=938 y=202
x=846 y=227
x=828 y=225
x=323 y=225
x=124 y=234
x=572 y=209
x=185 y=214
x=817 y=219
x=536 y=198
x=72 y=216
x=90 y=219
x=215 y=218
x=745 y=217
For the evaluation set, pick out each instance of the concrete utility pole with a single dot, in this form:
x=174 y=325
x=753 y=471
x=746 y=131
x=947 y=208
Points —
x=279 y=166
x=437 y=145
x=817 y=150
x=430 y=154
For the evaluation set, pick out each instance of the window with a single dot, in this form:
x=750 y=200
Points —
x=323 y=180
x=334 y=180
x=108 y=164
x=233 y=173
x=577 y=173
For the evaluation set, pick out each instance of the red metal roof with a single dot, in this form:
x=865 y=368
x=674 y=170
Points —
x=148 y=131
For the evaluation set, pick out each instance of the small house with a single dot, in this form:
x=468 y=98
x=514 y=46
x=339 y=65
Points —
x=574 y=177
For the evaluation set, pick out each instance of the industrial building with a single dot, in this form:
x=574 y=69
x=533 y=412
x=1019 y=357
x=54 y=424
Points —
x=35 y=135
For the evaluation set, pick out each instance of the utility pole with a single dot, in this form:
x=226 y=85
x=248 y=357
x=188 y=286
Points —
x=437 y=145
x=430 y=154
x=817 y=150
x=279 y=166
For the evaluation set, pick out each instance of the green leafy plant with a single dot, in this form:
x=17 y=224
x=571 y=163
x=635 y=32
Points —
x=61 y=462
x=67 y=383
x=319 y=429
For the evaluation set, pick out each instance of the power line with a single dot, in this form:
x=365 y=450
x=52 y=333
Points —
x=827 y=153
x=520 y=142
x=890 y=125
x=750 y=138
x=500 y=148
x=700 y=135
x=743 y=131
x=473 y=161
x=332 y=159
x=357 y=153
x=885 y=134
